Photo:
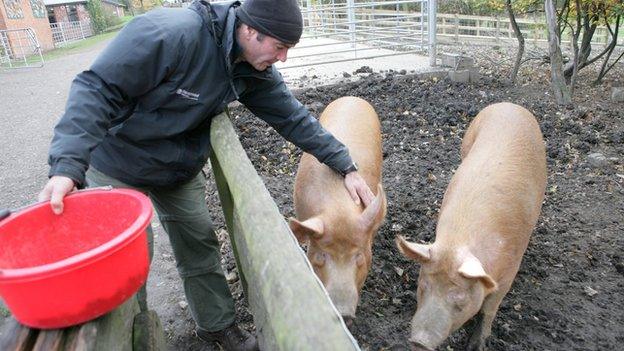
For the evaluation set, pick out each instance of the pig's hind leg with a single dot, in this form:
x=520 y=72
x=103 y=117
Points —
x=482 y=323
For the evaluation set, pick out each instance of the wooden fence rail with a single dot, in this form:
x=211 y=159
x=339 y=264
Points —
x=459 y=28
x=291 y=308
x=451 y=28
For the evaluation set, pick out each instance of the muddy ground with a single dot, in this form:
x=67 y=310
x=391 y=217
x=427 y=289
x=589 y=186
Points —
x=568 y=294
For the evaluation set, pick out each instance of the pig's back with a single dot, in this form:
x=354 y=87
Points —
x=499 y=186
x=354 y=122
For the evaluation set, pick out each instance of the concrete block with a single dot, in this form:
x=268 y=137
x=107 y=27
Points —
x=618 y=94
x=456 y=61
x=461 y=76
x=448 y=60
x=597 y=160
x=475 y=76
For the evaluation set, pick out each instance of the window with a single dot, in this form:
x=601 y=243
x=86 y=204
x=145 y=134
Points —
x=51 y=16
x=72 y=13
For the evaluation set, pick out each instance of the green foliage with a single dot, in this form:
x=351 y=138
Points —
x=472 y=7
x=4 y=312
x=97 y=14
x=112 y=20
x=101 y=19
x=489 y=7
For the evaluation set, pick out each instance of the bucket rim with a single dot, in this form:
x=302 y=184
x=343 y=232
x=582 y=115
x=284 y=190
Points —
x=77 y=261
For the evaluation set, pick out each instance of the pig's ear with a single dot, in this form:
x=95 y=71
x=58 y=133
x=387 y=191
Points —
x=373 y=215
x=312 y=227
x=414 y=251
x=473 y=269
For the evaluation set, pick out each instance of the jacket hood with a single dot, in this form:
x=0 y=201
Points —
x=215 y=16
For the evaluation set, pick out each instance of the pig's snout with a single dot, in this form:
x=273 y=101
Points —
x=347 y=310
x=431 y=325
x=417 y=346
x=348 y=321
x=345 y=300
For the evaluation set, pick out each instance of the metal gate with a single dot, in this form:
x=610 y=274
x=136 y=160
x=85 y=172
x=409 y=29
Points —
x=19 y=48
x=64 y=33
x=346 y=30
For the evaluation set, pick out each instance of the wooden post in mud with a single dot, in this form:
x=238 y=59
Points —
x=290 y=306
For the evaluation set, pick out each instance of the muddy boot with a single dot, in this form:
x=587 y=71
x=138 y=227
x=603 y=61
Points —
x=231 y=338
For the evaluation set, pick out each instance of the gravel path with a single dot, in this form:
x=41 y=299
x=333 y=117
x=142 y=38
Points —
x=32 y=100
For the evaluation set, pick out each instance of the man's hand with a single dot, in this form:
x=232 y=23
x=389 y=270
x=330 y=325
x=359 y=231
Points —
x=358 y=189
x=55 y=190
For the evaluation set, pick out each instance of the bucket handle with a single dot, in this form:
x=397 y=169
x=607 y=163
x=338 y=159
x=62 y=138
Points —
x=5 y=212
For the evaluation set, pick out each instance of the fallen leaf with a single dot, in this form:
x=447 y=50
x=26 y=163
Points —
x=399 y=271
x=589 y=291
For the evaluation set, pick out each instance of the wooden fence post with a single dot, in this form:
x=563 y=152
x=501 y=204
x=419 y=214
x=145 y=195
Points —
x=457 y=28
x=291 y=308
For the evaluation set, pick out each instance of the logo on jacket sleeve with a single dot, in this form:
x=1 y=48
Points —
x=187 y=94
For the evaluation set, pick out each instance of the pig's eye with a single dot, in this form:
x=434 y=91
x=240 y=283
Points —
x=459 y=300
x=359 y=259
x=319 y=258
x=459 y=306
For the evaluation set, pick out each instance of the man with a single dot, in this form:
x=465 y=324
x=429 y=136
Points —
x=140 y=118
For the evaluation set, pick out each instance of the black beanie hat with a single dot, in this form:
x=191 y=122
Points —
x=280 y=19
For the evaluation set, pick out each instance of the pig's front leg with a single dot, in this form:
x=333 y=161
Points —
x=483 y=320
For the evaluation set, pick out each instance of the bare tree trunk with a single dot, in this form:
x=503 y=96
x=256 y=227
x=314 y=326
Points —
x=604 y=73
x=512 y=19
x=560 y=89
x=575 y=36
x=589 y=28
x=562 y=18
x=614 y=37
x=130 y=6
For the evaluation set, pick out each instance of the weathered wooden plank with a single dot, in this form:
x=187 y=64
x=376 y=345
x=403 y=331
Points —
x=49 y=340
x=82 y=337
x=148 y=333
x=114 y=330
x=18 y=337
x=227 y=206
x=290 y=306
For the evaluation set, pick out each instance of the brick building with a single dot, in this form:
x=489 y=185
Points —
x=20 y=14
x=76 y=10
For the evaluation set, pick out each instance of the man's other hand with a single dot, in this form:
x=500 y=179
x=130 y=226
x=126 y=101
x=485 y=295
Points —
x=358 y=189
x=55 y=190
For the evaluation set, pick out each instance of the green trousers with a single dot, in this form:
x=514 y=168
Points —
x=183 y=212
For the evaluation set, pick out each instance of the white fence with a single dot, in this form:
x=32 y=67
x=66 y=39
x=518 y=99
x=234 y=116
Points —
x=67 y=32
x=346 y=30
x=19 y=48
x=454 y=28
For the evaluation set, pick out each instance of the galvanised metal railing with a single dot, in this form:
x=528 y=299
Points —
x=19 y=48
x=347 y=30
x=67 y=32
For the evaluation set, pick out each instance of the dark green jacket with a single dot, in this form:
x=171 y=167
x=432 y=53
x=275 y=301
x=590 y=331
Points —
x=142 y=112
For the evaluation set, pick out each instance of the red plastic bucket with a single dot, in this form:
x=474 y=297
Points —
x=58 y=271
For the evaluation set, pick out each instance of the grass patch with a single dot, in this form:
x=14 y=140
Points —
x=71 y=48
x=4 y=312
x=76 y=46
